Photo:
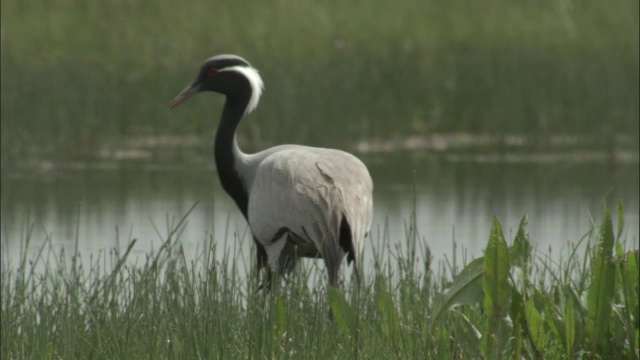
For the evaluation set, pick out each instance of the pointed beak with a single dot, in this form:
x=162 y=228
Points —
x=188 y=92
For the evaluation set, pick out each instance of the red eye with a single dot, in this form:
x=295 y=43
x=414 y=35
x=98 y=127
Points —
x=213 y=71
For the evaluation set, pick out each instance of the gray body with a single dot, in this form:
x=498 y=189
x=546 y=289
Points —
x=299 y=201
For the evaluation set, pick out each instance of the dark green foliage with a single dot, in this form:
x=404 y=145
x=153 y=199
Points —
x=84 y=78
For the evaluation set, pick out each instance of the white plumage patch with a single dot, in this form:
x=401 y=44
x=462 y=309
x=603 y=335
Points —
x=254 y=80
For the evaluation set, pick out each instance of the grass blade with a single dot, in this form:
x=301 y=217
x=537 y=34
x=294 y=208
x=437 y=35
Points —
x=569 y=326
x=279 y=321
x=342 y=311
x=390 y=322
x=620 y=214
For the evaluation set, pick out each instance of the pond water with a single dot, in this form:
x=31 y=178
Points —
x=454 y=198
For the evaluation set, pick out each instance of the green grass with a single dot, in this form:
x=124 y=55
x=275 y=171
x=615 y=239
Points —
x=78 y=77
x=511 y=303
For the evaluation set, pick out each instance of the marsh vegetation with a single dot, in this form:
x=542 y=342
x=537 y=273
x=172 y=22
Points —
x=511 y=303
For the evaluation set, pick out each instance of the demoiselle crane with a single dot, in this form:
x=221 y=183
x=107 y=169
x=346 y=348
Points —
x=299 y=201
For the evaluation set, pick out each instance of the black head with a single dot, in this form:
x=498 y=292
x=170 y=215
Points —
x=230 y=75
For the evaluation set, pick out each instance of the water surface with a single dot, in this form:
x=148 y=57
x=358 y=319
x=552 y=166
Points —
x=455 y=198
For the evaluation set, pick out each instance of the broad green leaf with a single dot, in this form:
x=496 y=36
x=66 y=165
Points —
x=466 y=289
x=553 y=320
x=601 y=290
x=500 y=331
x=535 y=325
x=342 y=311
x=497 y=290
x=629 y=280
x=619 y=251
x=520 y=252
x=517 y=305
x=518 y=336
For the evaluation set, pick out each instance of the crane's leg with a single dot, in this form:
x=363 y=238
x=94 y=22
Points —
x=261 y=262
x=356 y=272
x=332 y=258
x=347 y=245
x=332 y=262
x=273 y=255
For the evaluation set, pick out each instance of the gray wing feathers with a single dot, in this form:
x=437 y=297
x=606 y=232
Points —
x=354 y=188
x=308 y=190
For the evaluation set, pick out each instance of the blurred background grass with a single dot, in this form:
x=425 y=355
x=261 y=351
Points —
x=81 y=75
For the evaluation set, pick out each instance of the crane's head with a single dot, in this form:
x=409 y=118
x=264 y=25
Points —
x=230 y=75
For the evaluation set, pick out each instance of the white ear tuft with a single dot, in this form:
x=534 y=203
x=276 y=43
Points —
x=255 y=81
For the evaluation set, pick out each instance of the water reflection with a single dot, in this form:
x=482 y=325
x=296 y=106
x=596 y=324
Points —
x=452 y=199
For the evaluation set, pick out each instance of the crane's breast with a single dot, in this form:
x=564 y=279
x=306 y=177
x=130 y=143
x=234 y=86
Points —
x=306 y=191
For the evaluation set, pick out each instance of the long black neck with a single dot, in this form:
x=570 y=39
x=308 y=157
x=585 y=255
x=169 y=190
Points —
x=227 y=153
